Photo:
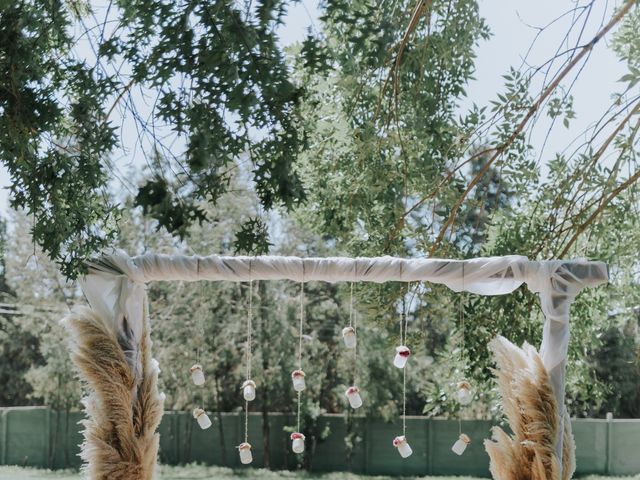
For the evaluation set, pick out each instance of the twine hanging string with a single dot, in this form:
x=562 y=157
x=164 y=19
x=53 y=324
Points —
x=249 y=331
x=405 y=317
x=462 y=326
x=404 y=401
x=403 y=341
x=351 y=307
x=353 y=322
x=355 y=331
x=246 y=421
x=403 y=313
x=248 y=353
x=301 y=325
x=462 y=339
x=200 y=326
x=300 y=340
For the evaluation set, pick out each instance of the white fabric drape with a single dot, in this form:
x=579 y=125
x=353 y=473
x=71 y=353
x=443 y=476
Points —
x=115 y=284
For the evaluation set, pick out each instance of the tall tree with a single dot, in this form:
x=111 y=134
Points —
x=221 y=89
x=394 y=167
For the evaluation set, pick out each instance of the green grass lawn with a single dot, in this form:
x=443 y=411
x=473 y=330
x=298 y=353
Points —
x=217 y=473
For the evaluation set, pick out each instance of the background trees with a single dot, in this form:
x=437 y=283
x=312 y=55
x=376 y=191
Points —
x=354 y=142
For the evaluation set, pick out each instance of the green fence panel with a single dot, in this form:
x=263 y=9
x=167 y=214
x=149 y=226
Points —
x=197 y=444
x=331 y=453
x=254 y=432
x=39 y=437
x=226 y=439
x=280 y=454
x=169 y=439
x=25 y=436
x=3 y=438
x=474 y=461
x=65 y=438
x=624 y=447
x=591 y=445
x=383 y=458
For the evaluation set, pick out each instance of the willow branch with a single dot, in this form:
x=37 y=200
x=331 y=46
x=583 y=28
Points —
x=530 y=113
x=628 y=145
x=596 y=157
x=418 y=11
x=603 y=204
x=556 y=230
x=122 y=93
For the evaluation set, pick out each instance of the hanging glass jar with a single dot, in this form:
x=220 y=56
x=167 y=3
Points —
x=464 y=393
x=249 y=390
x=245 y=453
x=402 y=355
x=197 y=375
x=203 y=419
x=298 y=380
x=461 y=444
x=297 y=442
x=353 y=394
x=349 y=337
x=404 y=449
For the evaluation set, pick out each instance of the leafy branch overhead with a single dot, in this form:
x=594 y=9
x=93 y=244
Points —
x=366 y=140
x=361 y=129
x=222 y=84
x=221 y=88
x=54 y=149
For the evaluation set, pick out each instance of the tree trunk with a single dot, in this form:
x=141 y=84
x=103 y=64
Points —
x=223 y=450
x=266 y=346
x=350 y=438
x=54 y=441
x=67 y=411
x=266 y=429
x=189 y=435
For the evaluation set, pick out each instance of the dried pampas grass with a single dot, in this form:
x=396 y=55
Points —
x=532 y=412
x=123 y=405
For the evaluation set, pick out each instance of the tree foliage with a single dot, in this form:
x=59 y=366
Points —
x=53 y=137
x=357 y=144
x=220 y=77
x=221 y=88
x=395 y=168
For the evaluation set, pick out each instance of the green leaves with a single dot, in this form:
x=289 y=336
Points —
x=314 y=56
x=239 y=85
x=176 y=215
x=390 y=156
x=632 y=78
x=561 y=106
x=52 y=134
x=626 y=43
x=380 y=137
x=252 y=238
x=222 y=87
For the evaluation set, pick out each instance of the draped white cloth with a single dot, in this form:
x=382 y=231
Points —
x=115 y=284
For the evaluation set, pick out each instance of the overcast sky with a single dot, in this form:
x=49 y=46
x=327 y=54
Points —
x=513 y=24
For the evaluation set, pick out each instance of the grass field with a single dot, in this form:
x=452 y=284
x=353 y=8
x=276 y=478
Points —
x=196 y=472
